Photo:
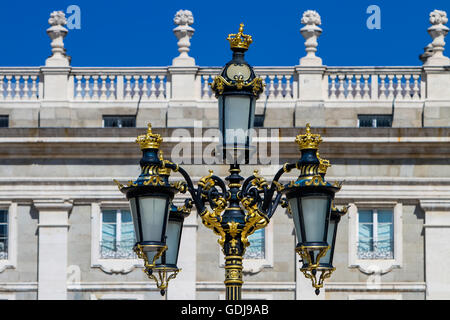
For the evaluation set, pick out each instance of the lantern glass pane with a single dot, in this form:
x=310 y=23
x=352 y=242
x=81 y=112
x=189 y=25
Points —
x=293 y=203
x=153 y=213
x=330 y=235
x=314 y=210
x=173 y=240
x=237 y=118
x=135 y=219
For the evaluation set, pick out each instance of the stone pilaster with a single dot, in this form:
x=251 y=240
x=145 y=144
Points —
x=437 y=248
x=52 y=265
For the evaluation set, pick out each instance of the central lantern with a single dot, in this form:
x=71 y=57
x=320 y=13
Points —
x=237 y=89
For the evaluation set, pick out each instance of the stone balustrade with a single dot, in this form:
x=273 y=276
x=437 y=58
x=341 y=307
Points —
x=19 y=84
x=179 y=94
x=382 y=83
x=153 y=83
x=110 y=84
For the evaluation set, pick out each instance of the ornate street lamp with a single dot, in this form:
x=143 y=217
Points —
x=310 y=198
x=237 y=210
x=150 y=198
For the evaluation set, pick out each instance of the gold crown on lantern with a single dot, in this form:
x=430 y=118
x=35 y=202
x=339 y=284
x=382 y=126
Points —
x=240 y=40
x=308 y=140
x=150 y=140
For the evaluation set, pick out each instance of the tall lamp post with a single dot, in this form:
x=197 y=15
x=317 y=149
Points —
x=236 y=209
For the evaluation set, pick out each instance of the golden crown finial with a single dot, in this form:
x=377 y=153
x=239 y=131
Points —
x=240 y=40
x=308 y=140
x=150 y=140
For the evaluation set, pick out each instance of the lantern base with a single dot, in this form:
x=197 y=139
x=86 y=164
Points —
x=162 y=274
x=310 y=272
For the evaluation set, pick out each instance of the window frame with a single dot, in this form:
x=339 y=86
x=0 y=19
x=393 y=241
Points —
x=110 y=266
x=371 y=266
x=375 y=224
x=11 y=261
x=119 y=116
x=118 y=225
x=374 y=120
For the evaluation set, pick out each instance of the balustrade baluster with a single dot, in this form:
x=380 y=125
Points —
x=358 y=89
x=333 y=89
x=391 y=86
x=153 y=87
x=34 y=88
x=9 y=87
x=288 y=90
x=103 y=88
x=95 y=88
x=279 y=89
x=271 y=87
x=341 y=88
x=205 y=87
x=127 y=87
x=416 y=86
x=382 y=93
x=161 y=86
x=365 y=87
x=408 y=88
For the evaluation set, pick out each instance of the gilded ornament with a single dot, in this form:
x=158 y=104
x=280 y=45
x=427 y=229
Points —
x=150 y=140
x=308 y=140
x=240 y=40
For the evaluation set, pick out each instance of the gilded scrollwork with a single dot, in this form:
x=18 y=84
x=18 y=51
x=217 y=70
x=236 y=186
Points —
x=254 y=220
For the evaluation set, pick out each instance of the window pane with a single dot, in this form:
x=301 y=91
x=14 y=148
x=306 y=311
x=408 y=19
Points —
x=126 y=216
x=375 y=121
x=256 y=250
x=365 y=216
x=3 y=230
x=109 y=233
x=109 y=216
x=119 y=121
x=3 y=216
x=4 y=121
x=3 y=248
x=385 y=216
x=109 y=228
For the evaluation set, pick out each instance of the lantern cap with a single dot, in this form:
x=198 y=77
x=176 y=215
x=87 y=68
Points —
x=308 y=140
x=150 y=140
x=240 y=40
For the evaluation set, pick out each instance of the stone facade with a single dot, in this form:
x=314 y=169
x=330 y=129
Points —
x=57 y=166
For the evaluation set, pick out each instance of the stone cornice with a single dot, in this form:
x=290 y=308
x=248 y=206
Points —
x=114 y=143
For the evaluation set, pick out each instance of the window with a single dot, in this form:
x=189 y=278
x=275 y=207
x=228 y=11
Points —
x=4 y=234
x=4 y=121
x=374 y=121
x=375 y=234
x=119 y=121
x=256 y=250
x=259 y=121
x=117 y=238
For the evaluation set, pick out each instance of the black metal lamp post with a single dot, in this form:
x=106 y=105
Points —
x=234 y=209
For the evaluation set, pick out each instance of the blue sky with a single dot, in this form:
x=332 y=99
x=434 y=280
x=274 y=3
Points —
x=139 y=33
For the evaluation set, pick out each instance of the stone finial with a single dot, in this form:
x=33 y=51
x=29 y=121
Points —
x=437 y=31
x=57 y=33
x=184 y=32
x=311 y=31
